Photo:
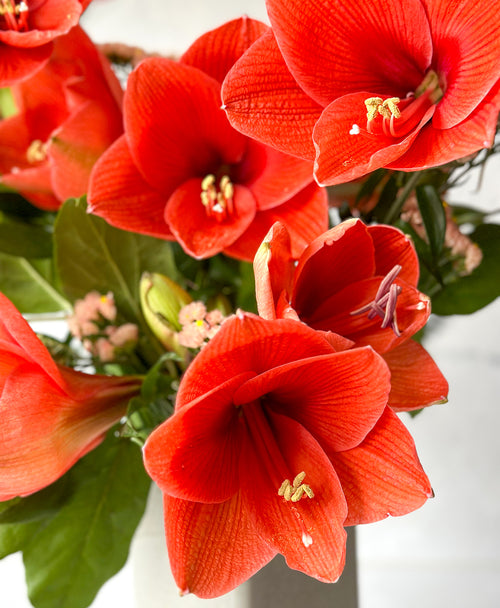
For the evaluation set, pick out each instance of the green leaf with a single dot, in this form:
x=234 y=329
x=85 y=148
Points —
x=29 y=285
x=13 y=537
x=433 y=216
x=25 y=240
x=92 y=255
x=470 y=293
x=87 y=541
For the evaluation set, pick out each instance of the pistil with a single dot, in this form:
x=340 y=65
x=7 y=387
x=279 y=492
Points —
x=218 y=201
x=385 y=301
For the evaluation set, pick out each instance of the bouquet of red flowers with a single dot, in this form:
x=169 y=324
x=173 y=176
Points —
x=246 y=243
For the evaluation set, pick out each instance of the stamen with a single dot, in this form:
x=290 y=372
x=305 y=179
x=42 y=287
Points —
x=36 y=152
x=385 y=301
x=15 y=15
x=218 y=202
x=295 y=491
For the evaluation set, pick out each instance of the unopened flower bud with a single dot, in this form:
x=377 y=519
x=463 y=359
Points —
x=161 y=301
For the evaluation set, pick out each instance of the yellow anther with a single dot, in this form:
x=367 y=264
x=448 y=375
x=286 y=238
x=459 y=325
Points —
x=36 y=152
x=208 y=182
x=205 y=198
x=299 y=479
x=294 y=492
x=385 y=108
x=372 y=105
x=392 y=105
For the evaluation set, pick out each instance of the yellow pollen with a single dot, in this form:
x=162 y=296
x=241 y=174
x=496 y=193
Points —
x=218 y=201
x=36 y=152
x=295 y=491
x=386 y=108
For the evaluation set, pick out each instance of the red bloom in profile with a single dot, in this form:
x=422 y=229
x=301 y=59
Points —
x=69 y=113
x=182 y=172
x=360 y=282
x=403 y=84
x=27 y=29
x=278 y=440
x=50 y=416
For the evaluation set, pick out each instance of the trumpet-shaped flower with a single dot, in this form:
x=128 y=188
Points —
x=68 y=114
x=182 y=172
x=278 y=440
x=27 y=29
x=360 y=282
x=404 y=84
x=50 y=416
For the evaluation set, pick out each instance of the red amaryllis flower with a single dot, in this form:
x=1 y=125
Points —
x=50 y=416
x=69 y=113
x=27 y=28
x=278 y=440
x=360 y=282
x=404 y=84
x=182 y=172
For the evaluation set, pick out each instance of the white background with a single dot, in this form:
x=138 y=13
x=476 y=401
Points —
x=445 y=554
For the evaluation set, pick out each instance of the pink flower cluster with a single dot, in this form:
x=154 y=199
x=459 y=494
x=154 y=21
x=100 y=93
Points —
x=198 y=324
x=94 y=323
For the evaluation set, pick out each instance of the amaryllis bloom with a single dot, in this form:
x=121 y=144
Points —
x=278 y=440
x=404 y=84
x=27 y=29
x=182 y=172
x=69 y=113
x=360 y=282
x=50 y=416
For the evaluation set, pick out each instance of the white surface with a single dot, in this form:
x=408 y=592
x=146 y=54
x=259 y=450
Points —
x=445 y=554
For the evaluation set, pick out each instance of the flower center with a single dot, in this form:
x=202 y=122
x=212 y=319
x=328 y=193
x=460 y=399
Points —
x=384 y=304
x=14 y=15
x=296 y=490
x=218 y=201
x=36 y=152
x=395 y=117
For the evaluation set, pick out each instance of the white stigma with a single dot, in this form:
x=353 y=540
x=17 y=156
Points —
x=354 y=130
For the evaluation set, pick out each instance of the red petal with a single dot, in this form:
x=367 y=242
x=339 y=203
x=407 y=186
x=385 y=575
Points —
x=343 y=255
x=202 y=236
x=305 y=216
x=338 y=397
x=273 y=268
x=212 y=548
x=119 y=194
x=394 y=247
x=19 y=63
x=246 y=342
x=437 y=146
x=338 y=48
x=74 y=148
x=194 y=455
x=273 y=177
x=416 y=381
x=309 y=533
x=216 y=51
x=14 y=329
x=345 y=149
x=262 y=100
x=382 y=476
x=466 y=55
x=179 y=135
x=334 y=314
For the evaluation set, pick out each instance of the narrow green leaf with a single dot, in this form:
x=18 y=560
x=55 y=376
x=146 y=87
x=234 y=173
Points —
x=470 y=293
x=26 y=283
x=92 y=255
x=87 y=541
x=433 y=216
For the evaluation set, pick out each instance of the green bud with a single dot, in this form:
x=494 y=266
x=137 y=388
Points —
x=161 y=301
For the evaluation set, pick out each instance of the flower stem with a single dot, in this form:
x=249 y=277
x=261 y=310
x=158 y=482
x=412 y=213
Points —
x=395 y=209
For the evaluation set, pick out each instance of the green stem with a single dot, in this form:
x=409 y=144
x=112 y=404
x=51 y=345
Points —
x=397 y=205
